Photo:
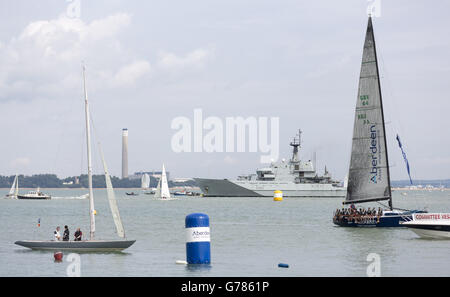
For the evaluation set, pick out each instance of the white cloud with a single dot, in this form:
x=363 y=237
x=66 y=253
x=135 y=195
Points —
x=109 y=26
x=196 y=59
x=44 y=60
x=21 y=162
x=129 y=74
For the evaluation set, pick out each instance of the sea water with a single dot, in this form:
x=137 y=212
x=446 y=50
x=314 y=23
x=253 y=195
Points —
x=249 y=237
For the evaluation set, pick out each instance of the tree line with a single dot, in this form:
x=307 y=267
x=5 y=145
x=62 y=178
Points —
x=98 y=181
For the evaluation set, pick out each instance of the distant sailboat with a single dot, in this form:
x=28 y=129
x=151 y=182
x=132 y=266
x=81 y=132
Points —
x=14 y=191
x=162 y=190
x=368 y=177
x=145 y=184
x=145 y=181
x=91 y=244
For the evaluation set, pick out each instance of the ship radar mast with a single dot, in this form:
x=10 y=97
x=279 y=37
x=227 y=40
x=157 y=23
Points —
x=296 y=143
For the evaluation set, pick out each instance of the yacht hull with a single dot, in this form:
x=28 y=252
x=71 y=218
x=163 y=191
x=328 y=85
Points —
x=382 y=221
x=431 y=231
x=33 y=198
x=431 y=225
x=81 y=246
x=229 y=188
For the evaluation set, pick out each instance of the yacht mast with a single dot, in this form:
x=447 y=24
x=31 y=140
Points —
x=88 y=137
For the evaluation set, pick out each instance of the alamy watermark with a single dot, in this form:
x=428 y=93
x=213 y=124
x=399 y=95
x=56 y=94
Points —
x=374 y=268
x=374 y=8
x=232 y=134
x=73 y=10
x=74 y=268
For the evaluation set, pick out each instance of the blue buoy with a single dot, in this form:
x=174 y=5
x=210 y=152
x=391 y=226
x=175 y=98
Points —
x=282 y=265
x=198 y=247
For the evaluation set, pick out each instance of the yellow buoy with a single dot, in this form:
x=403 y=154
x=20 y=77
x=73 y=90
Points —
x=277 y=196
x=95 y=212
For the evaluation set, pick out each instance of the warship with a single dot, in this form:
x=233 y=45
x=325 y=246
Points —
x=295 y=178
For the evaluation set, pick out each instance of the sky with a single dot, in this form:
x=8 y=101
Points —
x=151 y=62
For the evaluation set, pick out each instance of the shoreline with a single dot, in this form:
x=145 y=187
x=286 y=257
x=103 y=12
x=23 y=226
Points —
x=393 y=189
x=420 y=189
x=31 y=189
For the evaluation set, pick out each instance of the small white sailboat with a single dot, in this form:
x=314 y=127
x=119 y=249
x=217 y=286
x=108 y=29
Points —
x=14 y=191
x=162 y=190
x=145 y=185
x=91 y=245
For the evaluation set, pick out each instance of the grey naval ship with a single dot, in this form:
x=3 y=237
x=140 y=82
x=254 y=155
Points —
x=295 y=178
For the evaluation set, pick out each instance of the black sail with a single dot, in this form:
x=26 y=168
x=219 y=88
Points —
x=368 y=178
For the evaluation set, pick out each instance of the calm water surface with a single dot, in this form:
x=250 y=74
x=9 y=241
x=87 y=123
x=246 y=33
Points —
x=249 y=237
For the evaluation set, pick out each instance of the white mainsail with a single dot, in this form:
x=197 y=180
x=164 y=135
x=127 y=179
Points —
x=145 y=181
x=88 y=142
x=109 y=188
x=368 y=178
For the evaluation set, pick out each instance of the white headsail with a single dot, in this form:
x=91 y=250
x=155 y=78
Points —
x=14 y=191
x=112 y=199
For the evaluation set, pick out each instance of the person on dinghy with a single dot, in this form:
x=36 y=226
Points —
x=66 y=233
x=56 y=234
x=78 y=235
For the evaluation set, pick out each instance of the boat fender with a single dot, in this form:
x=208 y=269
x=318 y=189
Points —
x=58 y=256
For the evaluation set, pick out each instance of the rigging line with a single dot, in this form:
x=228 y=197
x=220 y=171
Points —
x=96 y=135
x=390 y=90
x=106 y=173
x=397 y=123
x=392 y=208
x=396 y=127
x=83 y=146
x=97 y=142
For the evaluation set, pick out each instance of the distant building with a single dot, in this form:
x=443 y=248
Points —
x=125 y=153
x=182 y=180
x=154 y=174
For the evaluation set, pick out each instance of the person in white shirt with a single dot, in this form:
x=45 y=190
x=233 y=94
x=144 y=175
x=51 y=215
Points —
x=57 y=234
